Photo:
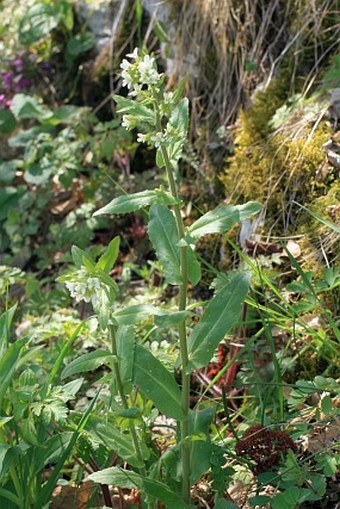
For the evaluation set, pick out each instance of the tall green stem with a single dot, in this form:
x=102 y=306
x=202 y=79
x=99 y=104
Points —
x=185 y=444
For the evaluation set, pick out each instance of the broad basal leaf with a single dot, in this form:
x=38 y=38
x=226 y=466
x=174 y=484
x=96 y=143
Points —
x=221 y=314
x=113 y=439
x=131 y=480
x=132 y=202
x=157 y=383
x=87 y=362
x=221 y=220
x=164 y=238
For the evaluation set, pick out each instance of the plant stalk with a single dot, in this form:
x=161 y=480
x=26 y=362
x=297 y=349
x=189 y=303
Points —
x=183 y=288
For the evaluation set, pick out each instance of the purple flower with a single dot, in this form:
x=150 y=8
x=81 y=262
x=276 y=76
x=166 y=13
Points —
x=46 y=67
x=7 y=80
x=21 y=83
x=19 y=64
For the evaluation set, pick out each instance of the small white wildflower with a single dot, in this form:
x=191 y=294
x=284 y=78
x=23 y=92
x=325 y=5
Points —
x=135 y=92
x=142 y=138
x=128 y=122
x=148 y=73
x=168 y=98
x=134 y=54
x=85 y=287
x=157 y=139
x=164 y=344
x=154 y=346
x=126 y=74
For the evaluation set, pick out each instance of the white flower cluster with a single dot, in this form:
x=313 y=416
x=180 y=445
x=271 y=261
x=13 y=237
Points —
x=87 y=288
x=142 y=71
x=154 y=345
x=156 y=139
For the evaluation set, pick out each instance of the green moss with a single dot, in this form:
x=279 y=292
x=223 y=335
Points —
x=276 y=167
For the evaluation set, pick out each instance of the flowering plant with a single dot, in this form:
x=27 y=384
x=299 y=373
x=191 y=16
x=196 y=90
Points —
x=161 y=118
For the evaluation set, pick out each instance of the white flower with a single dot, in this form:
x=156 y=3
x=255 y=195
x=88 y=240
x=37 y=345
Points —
x=154 y=346
x=142 y=138
x=148 y=73
x=137 y=89
x=87 y=288
x=134 y=54
x=128 y=122
x=168 y=98
x=156 y=139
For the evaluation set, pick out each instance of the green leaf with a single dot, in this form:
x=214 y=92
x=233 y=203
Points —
x=8 y=456
x=108 y=259
x=221 y=503
x=328 y=463
x=134 y=314
x=221 y=314
x=157 y=383
x=141 y=113
x=194 y=267
x=132 y=202
x=87 y=362
x=8 y=365
x=171 y=318
x=180 y=116
x=221 y=220
x=5 y=324
x=8 y=170
x=9 y=197
x=125 y=350
x=38 y=21
x=79 y=256
x=178 y=93
x=7 y=121
x=160 y=31
x=131 y=480
x=38 y=174
x=159 y=158
x=259 y=500
x=200 y=422
x=327 y=405
x=80 y=43
x=23 y=138
x=287 y=500
x=319 y=218
x=29 y=106
x=164 y=238
x=46 y=492
x=113 y=439
x=4 y=421
x=51 y=450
